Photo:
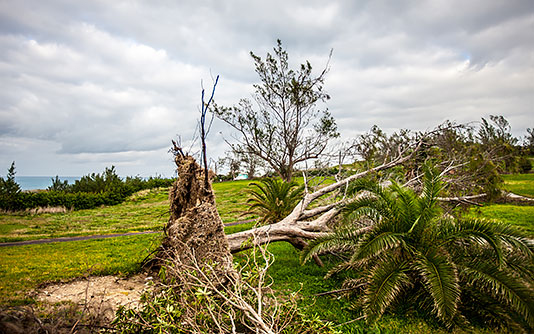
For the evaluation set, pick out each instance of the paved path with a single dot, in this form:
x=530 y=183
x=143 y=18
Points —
x=88 y=237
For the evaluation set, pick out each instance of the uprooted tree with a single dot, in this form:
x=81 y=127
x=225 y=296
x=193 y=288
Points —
x=281 y=132
x=198 y=253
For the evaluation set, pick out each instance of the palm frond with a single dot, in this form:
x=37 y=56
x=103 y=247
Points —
x=343 y=239
x=346 y=266
x=366 y=205
x=427 y=201
x=520 y=264
x=502 y=285
x=487 y=310
x=407 y=200
x=273 y=199
x=478 y=230
x=376 y=242
x=377 y=191
x=440 y=279
x=514 y=238
x=363 y=184
x=385 y=282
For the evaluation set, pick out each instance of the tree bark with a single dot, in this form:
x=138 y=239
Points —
x=297 y=226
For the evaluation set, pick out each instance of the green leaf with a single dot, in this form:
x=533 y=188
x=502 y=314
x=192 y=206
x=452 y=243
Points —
x=385 y=282
x=440 y=279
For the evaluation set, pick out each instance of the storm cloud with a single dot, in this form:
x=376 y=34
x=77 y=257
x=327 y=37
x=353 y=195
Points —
x=85 y=85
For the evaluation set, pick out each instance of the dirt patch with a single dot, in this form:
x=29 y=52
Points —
x=104 y=293
x=85 y=305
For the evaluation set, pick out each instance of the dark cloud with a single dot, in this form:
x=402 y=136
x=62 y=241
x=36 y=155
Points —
x=93 y=83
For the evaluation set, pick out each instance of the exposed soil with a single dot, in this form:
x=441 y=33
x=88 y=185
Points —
x=85 y=305
x=105 y=293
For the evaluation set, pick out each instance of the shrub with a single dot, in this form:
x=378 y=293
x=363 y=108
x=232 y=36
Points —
x=525 y=165
x=89 y=192
x=273 y=199
x=473 y=270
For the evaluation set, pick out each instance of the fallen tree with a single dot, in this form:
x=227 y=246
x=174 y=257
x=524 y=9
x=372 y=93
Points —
x=306 y=222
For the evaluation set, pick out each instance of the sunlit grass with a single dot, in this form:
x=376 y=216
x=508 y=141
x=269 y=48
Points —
x=520 y=184
x=148 y=211
x=231 y=198
x=23 y=268
x=518 y=215
x=144 y=211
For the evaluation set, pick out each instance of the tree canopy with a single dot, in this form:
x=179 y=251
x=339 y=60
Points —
x=282 y=125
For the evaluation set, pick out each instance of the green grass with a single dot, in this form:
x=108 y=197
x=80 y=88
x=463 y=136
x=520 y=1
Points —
x=517 y=215
x=520 y=184
x=289 y=276
x=23 y=268
x=143 y=211
x=231 y=199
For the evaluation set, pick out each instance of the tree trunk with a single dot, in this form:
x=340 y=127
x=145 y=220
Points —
x=195 y=227
x=297 y=227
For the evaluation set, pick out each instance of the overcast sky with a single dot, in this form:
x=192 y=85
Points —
x=90 y=84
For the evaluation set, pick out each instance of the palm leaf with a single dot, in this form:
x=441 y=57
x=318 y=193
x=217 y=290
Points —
x=502 y=285
x=514 y=238
x=343 y=239
x=368 y=206
x=273 y=199
x=440 y=280
x=364 y=184
x=385 y=282
x=376 y=242
x=477 y=230
x=406 y=208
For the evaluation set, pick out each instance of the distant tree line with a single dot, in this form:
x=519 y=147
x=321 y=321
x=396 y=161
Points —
x=476 y=155
x=92 y=190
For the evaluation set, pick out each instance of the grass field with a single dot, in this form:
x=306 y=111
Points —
x=521 y=184
x=144 y=211
x=23 y=268
x=518 y=215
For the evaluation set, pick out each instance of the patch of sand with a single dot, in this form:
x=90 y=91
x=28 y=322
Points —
x=103 y=294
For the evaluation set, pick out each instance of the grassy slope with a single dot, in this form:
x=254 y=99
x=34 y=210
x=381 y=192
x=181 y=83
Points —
x=147 y=210
x=521 y=184
x=518 y=215
x=23 y=268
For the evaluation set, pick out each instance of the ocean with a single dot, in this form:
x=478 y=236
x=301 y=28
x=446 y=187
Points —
x=41 y=182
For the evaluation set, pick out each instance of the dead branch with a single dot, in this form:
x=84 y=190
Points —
x=228 y=298
x=462 y=199
x=294 y=228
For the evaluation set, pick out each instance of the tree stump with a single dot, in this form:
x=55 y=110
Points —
x=195 y=231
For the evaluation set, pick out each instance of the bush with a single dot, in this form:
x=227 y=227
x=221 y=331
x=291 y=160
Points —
x=89 y=192
x=464 y=272
x=525 y=165
x=273 y=199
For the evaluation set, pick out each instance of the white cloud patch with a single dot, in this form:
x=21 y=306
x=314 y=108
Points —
x=96 y=83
